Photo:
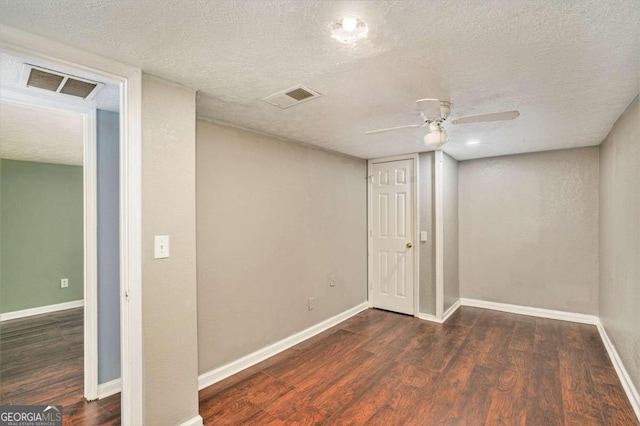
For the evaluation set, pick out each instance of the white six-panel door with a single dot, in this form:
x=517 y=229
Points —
x=391 y=236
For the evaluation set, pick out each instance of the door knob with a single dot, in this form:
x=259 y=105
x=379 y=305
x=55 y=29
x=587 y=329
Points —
x=409 y=245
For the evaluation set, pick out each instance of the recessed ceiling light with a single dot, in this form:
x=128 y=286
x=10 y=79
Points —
x=349 y=29
x=473 y=142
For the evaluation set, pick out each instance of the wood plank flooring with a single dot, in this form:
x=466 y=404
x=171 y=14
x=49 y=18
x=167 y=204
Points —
x=41 y=362
x=480 y=368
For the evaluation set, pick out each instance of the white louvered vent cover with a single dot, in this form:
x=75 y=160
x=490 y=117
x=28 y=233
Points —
x=34 y=77
x=292 y=96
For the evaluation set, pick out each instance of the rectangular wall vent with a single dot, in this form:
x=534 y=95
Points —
x=53 y=81
x=291 y=96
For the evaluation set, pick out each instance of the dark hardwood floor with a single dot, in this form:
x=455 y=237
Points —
x=41 y=362
x=481 y=367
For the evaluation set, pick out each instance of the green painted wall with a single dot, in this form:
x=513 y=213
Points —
x=41 y=234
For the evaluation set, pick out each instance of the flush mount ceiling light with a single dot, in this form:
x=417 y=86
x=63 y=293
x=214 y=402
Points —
x=436 y=136
x=473 y=142
x=349 y=30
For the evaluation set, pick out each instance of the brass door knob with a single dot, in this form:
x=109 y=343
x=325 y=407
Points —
x=409 y=245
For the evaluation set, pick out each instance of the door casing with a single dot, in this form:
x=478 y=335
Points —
x=415 y=203
x=129 y=79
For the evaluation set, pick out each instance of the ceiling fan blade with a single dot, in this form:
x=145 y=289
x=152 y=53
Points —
x=496 y=116
x=392 y=128
x=430 y=108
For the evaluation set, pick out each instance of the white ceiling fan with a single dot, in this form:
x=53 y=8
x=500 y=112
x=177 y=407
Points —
x=435 y=112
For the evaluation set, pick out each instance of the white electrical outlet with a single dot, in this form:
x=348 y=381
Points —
x=64 y=283
x=332 y=280
x=423 y=236
x=312 y=303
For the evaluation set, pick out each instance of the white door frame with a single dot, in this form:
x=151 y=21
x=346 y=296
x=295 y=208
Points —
x=129 y=79
x=90 y=221
x=416 y=221
x=438 y=158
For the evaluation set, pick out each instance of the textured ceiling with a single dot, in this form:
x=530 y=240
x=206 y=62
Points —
x=41 y=135
x=569 y=67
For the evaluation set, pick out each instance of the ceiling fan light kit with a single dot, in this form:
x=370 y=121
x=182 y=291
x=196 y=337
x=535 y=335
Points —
x=435 y=112
x=436 y=136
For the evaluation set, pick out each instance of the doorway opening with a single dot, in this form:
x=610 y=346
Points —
x=127 y=81
x=392 y=249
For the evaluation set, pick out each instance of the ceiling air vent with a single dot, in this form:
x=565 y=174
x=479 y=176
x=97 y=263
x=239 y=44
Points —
x=53 y=81
x=291 y=96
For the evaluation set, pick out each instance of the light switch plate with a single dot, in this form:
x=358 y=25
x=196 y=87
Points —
x=161 y=246
x=423 y=236
x=332 y=280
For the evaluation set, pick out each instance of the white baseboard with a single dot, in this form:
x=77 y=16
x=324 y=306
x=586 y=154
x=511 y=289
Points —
x=534 y=312
x=220 y=373
x=110 y=388
x=627 y=384
x=41 y=310
x=445 y=316
x=194 y=421
x=429 y=317
x=451 y=310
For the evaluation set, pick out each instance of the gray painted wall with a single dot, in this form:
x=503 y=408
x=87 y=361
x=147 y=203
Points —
x=108 y=170
x=169 y=319
x=529 y=229
x=427 y=291
x=274 y=220
x=450 y=200
x=620 y=238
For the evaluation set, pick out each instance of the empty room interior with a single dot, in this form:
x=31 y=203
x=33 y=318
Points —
x=321 y=212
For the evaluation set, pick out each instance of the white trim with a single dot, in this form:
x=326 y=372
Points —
x=90 y=203
x=129 y=78
x=439 y=230
x=416 y=238
x=429 y=317
x=90 y=222
x=531 y=311
x=132 y=354
x=416 y=226
x=623 y=375
x=451 y=310
x=194 y=421
x=13 y=96
x=110 y=388
x=369 y=232
x=445 y=317
x=222 y=372
x=41 y=310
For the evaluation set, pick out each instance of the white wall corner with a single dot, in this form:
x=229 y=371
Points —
x=224 y=371
x=428 y=317
x=452 y=309
x=110 y=388
x=194 y=421
x=623 y=375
